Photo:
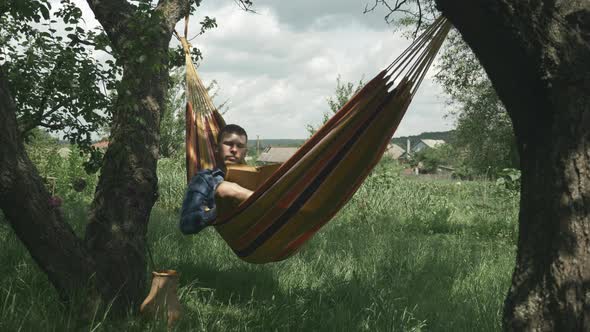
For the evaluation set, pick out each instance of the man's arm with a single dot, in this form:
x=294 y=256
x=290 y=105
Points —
x=232 y=190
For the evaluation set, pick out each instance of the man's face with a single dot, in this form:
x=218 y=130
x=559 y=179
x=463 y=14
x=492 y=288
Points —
x=232 y=149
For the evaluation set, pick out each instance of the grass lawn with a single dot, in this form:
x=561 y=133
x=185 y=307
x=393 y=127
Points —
x=403 y=255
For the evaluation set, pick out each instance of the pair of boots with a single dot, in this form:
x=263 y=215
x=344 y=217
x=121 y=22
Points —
x=163 y=297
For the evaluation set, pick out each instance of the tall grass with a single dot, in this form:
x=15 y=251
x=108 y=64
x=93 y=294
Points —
x=402 y=255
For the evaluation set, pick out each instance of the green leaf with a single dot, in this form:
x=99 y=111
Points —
x=44 y=11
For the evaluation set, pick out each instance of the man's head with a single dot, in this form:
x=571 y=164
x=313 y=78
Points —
x=231 y=145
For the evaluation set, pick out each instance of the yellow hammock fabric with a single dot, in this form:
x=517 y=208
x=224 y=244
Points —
x=308 y=190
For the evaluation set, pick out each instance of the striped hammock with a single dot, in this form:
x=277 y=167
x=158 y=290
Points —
x=305 y=192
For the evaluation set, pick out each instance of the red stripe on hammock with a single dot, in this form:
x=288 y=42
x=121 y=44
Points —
x=318 y=136
x=296 y=190
x=295 y=244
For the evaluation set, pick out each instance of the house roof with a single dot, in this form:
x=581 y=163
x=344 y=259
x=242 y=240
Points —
x=277 y=154
x=101 y=145
x=432 y=143
x=394 y=151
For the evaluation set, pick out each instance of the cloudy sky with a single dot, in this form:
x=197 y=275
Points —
x=278 y=66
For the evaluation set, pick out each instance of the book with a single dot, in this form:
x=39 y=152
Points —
x=250 y=177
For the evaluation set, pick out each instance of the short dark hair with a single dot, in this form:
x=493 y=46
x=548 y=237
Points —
x=231 y=129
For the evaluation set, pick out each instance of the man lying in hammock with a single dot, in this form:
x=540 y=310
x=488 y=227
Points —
x=198 y=207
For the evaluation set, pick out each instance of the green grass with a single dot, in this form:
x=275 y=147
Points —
x=403 y=255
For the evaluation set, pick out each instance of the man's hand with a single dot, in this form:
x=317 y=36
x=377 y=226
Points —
x=232 y=190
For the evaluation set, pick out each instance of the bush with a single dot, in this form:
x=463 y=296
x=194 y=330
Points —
x=509 y=178
x=64 y=175
x=432 y=158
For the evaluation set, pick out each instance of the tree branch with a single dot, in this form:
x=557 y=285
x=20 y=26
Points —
x=419 y=19
x=173 y=11
x=26 y=203
x=49 y=126
x=112 y=15
x=392 y=9
x=36 y=119
x=400 y=6
x=58 y=106
x=245 y=5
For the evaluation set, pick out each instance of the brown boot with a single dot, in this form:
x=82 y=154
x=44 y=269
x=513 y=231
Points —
x=163 y=296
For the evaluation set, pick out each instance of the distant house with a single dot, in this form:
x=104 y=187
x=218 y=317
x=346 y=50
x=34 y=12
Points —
x=101 y=145
x=406 y=154
x=276 y=154
x=427 y=143
x=394 y=151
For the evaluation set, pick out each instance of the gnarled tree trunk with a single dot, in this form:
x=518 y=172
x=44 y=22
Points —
x=26 y=204
x=537 y=55
x=127 y=188
x=110 y=261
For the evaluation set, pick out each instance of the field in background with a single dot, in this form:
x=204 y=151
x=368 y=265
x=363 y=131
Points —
x=405 y=254
x=252 y=142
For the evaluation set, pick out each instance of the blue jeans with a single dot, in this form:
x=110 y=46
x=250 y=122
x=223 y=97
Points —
x=198 y=206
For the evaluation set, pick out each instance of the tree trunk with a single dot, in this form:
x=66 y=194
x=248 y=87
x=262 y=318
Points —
x=537 y=55
x=110 y=262
x=26 y=203
x=127 y=188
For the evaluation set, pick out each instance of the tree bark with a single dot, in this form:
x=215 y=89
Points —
x=127 y=188
x=110 y=262
x=537 y=55
x=26 y=203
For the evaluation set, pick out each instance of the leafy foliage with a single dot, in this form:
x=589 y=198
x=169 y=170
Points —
x=172 y=125
x=509 y=178
x=432 y=158
x=484 y=136
x=57 y=81
x=53 y=75
x=61 y=166
x=343 y=92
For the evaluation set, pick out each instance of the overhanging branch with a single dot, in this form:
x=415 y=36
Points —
x=112 y=15
x=245 y=5
x=400 y=6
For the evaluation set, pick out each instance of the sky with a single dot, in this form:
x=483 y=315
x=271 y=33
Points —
x=277 y=67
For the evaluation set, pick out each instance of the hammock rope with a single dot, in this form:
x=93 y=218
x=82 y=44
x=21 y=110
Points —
x=202 y=118
x=305 y=192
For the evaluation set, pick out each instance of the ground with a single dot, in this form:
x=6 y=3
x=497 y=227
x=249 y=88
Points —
x=406 y=253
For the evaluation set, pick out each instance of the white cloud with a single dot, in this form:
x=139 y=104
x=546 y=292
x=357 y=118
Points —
x=277 y=72
x=277 y=67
